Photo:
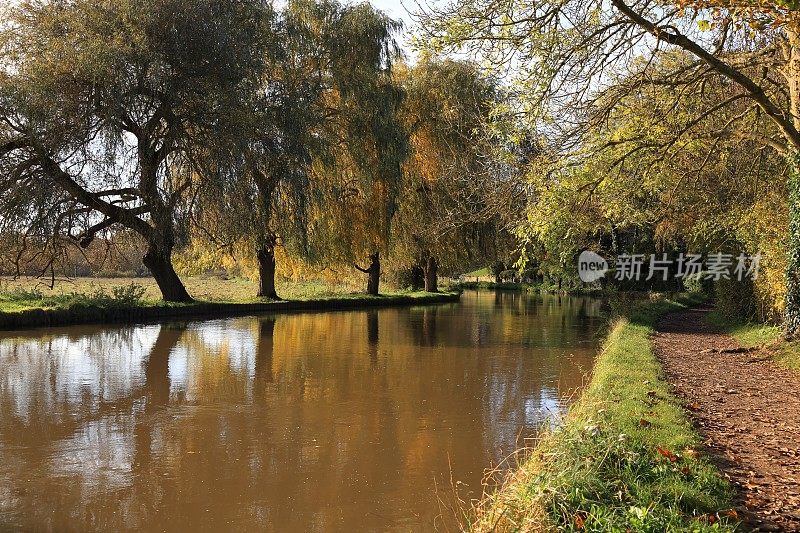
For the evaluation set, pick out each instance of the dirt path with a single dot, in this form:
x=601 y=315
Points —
x=748 y=411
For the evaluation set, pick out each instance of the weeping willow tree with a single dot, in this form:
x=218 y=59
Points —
x=325 y=96
x=461 y=194
x=362 y=185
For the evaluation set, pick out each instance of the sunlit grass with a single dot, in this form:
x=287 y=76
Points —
x=24 y=294
x=485 y=271
x=748 y=334
x=752 y=335
x=625 y=458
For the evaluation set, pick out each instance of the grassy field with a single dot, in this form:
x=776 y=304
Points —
x=28 y=304
x=200 y=287
x=625 y=457
x=485 y=271
x=30 y=293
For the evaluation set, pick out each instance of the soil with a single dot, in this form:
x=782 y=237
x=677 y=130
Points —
x=748 y=411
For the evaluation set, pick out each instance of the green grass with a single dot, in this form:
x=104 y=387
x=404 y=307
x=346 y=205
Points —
x=21 y=300
x=21 y=293
x=748 y=334
x=28 y=293
x=23 y=304
x=485 y=271
x=625 y=457
x=786 y=354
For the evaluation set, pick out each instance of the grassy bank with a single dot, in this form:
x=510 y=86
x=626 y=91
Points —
x=753 y=334
x=491 y=285
x=122 y=300
x=749 y=334
x=625 y=457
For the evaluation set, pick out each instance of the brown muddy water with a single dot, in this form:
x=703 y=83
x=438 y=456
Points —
x=340 y=421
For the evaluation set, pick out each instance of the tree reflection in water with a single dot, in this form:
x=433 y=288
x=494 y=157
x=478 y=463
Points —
x=316 y=421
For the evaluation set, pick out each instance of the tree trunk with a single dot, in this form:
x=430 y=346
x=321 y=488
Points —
x=374 y=272
x=265 y=348
x=431 y=275
x=266 y=272
x=161 y=236
x=159 y=260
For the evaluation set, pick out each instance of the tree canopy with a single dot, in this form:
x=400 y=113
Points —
x=107 y=110
x=699 y=78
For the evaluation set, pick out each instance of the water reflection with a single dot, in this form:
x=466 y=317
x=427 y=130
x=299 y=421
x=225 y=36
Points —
x=309 y=422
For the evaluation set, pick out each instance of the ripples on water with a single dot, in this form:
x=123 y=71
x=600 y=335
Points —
x=338 y=421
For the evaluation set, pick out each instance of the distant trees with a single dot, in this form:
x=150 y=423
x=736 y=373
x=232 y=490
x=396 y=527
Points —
x=702 y=193
x=575 y=62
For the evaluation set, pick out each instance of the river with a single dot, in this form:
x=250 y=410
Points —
x=376 y=420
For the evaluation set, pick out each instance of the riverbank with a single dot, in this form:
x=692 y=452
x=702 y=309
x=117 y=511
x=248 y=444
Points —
x=100 y=309
x=530 y=287
x=502 y=286
x=207 y=288
x=626 y=456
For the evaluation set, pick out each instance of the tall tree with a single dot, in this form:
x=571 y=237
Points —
x=459 y=189
x=325 y=96
x=568 y=53
x=107 y=109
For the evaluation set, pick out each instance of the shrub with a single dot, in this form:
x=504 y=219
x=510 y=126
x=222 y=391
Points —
x=411 y=278
x=22 y=295
x=497 y=267
x=694 y=285
x=736 y=299
x=128 y=294
x=508 y=275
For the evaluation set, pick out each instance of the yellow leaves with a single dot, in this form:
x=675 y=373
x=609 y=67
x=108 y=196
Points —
x=762 y=228
x=426 y=158
x=755 y=15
